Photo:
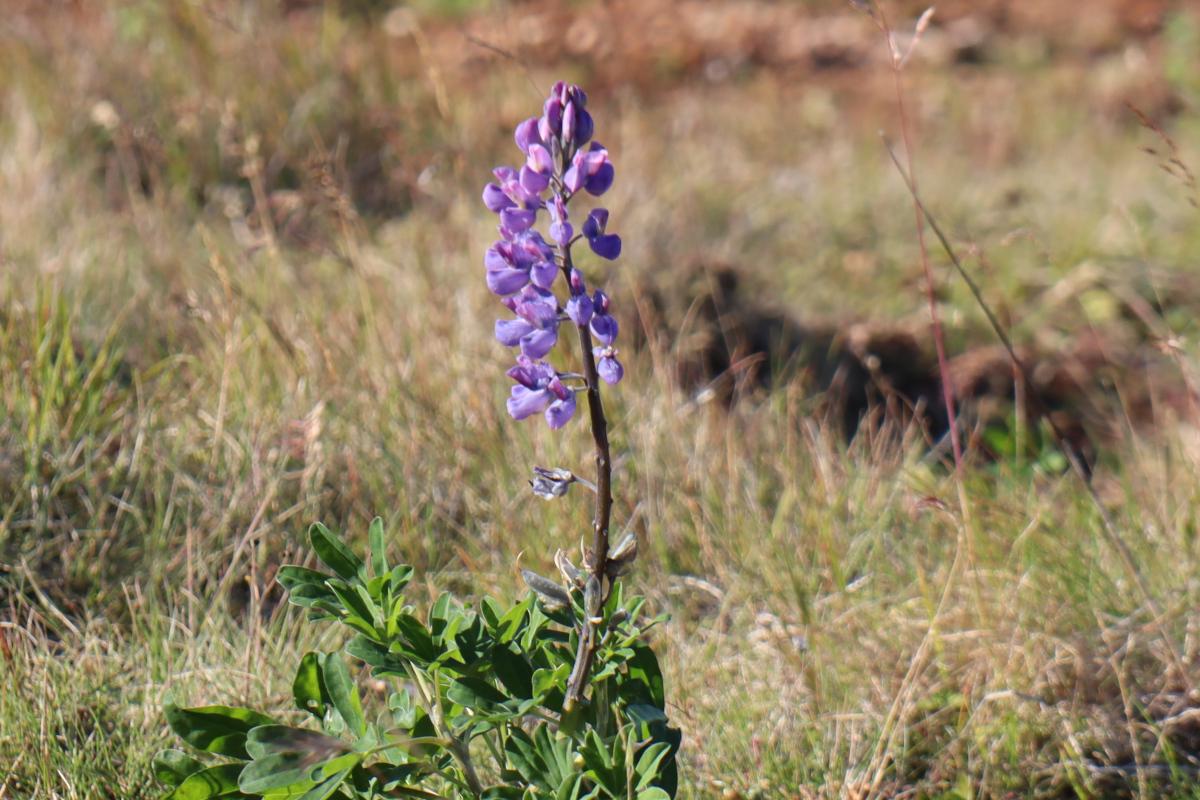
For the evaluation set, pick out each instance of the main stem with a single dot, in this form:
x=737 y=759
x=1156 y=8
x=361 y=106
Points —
x=596 y=561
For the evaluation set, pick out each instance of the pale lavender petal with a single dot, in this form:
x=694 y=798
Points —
x=538 y=343
x=568 y=122
x=534 y=182
x=543 y=274
x=609 y=369
x=506 y=281
x=560 y=412
x=495 y=198
x=561 y=232
x=510 y=331
x=527 y=134
x=539 y=159
x=579 y=309
x=525 y=402
x=574 y=179
x=604 y=328
x=517 y=220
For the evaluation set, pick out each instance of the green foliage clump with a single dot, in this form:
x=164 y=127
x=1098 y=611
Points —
x=467 y=703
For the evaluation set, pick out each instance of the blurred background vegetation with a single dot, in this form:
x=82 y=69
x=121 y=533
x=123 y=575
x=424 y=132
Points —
x=240 y=249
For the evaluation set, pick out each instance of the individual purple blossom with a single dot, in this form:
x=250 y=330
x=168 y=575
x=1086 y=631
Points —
x=603 y=325
x=513 y=264
x=579 y=307
x=539 y=389
x=607 y=365
x=591 y=170
x=605 y=245
x=535 y=329
x=561 y=229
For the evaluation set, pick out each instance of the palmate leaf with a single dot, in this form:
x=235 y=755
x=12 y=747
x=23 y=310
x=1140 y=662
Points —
x=215 y=729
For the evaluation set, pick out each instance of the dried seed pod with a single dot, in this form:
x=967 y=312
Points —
x=569 y=572
x=551 y=483
x=547 y=590
x=621 y=557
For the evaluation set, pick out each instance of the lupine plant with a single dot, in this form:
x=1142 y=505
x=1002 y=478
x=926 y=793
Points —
x=556 y=696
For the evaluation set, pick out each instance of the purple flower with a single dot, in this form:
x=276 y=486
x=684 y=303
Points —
x=561 y=230
x=560 y=160
x=603 y=324
x=513 y=264
x=579 y=307
x=591 y=170
x=539 y=389
x=605 y=245
x=607 y=366
x=526 y=134
x=516 y=198
x=535 y=329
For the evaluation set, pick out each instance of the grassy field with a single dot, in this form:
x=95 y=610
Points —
x=241 y=291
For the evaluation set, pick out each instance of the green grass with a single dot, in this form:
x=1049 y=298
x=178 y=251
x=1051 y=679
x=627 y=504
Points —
x=183 y=389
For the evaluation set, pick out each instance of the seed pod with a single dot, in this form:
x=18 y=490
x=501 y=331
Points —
x=621 y=557
x=569 y=572
x=547 y=590
x=551 y=483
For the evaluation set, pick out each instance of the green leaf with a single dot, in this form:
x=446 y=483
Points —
x=334 y=554
x=644 y=669
x=378 y=550
x=653 y=793
x=278 y=771
x=362 y=615
x=343 y=693
x=514 y=672
x=417 y=643
x=307 y=689
x=648 y=764
x=215 y=729
x=218 y=781
x=477 y=695
x=290 y=577
x=267 y=740
x=172 y=767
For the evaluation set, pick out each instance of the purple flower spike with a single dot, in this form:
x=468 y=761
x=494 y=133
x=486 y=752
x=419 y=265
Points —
x=560 y=160
x=603 y=324
x=609 y=369
x=605 y=245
